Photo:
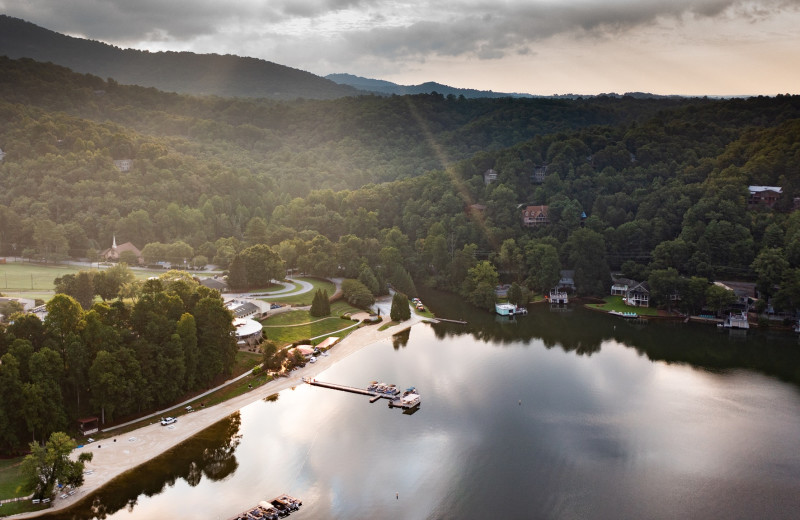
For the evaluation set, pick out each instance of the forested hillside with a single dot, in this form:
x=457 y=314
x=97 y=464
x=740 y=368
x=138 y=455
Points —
x=186 y=72
x=203 y=167
x=395 y=186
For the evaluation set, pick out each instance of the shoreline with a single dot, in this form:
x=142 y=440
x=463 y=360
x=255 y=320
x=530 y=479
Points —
x=117 y=455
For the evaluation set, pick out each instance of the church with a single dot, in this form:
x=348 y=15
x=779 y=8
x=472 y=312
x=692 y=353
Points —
x=112 y=254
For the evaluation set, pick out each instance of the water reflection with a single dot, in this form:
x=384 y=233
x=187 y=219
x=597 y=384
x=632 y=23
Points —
x=553 y=415
x=209 y=454
x=583 y=332
x=400 y=339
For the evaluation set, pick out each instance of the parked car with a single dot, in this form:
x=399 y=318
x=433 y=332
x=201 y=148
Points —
x=165 y=421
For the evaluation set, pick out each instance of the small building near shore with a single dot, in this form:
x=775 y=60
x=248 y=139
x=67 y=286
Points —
x=248 y=332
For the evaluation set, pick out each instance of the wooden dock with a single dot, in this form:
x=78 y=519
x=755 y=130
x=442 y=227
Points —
x=446 y=320
x=395 y=400
x=343 y=388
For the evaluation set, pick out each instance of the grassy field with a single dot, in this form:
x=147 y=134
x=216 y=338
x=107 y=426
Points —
x=615 y=303
x=27 y=280
x=298 y=325
x=10 y=477
x=293 y=326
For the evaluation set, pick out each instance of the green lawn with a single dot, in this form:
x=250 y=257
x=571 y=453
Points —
x=28 y=280
x=10 y=478
x=615 y=303
x=296 y=325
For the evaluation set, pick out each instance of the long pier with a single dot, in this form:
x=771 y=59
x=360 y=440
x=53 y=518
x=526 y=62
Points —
x=395 y=400
x=343 y=388
x=460 y=322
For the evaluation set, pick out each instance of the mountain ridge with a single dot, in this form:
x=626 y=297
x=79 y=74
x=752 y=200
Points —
x=388 y=88
x=182 y=72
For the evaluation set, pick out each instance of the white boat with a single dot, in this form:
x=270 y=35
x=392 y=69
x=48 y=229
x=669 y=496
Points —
x=505 y=309
x=509 y=309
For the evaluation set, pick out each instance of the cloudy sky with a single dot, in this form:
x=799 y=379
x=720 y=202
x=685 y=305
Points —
x=714 y=47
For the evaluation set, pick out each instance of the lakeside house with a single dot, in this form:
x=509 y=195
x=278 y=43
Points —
x=489 y=176
x=635 y=294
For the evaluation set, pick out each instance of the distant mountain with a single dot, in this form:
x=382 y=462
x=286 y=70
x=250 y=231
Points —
x=183 y=72
x=388 y=88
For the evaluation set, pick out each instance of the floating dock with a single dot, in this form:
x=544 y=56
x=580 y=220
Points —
x=376 y=391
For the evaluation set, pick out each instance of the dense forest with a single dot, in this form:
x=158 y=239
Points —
x=115 y=360
x=393 y=188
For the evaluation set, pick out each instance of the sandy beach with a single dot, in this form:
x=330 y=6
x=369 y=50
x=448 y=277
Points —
x=116 y=455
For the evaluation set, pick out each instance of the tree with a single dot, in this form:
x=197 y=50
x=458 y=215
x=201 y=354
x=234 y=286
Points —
x=187 y=330
x=261 y=265
x=480 y=284
x=693 y=294
x=270 y=358
x=400 y=310
x=402 y=281
x=586 y=253
x=320 y=306
x=107 y=283
x=367 y=277
x=216 y=339
x=719 y=298
x=544 y=267
x=663 y=284
x=357 y=294
x=770 y=266
x=51 y=463
x=10 y=402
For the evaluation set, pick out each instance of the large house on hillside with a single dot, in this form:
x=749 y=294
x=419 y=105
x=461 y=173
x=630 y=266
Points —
x=112 y=253
x=533 y=216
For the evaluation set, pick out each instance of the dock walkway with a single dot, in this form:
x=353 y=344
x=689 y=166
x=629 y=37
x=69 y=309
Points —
x=395 y=400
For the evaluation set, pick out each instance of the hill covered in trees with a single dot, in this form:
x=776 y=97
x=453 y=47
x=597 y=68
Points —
x=186 y=72
x=393 y=188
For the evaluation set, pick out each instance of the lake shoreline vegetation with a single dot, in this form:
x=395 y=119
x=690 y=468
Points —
x=402 y=191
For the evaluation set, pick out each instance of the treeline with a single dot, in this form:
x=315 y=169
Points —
x=114 y=360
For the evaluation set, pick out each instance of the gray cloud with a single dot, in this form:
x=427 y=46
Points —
x=390 y=28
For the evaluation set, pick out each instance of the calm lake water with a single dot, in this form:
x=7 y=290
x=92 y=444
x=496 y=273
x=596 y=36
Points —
x=557 y=415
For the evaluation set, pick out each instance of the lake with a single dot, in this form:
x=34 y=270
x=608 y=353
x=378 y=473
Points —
x=558 y=414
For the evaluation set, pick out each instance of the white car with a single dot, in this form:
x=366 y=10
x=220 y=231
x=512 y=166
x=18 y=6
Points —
x=166 y=421
x=312 y=359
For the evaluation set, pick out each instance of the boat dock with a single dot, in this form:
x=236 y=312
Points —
x=376 y=391
x=447 y=320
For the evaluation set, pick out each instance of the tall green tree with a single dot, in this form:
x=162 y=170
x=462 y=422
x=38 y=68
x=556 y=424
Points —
x=544 y=266
x=50 y=464
x=480 y=284
x=586 y=254
x=400 y=310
